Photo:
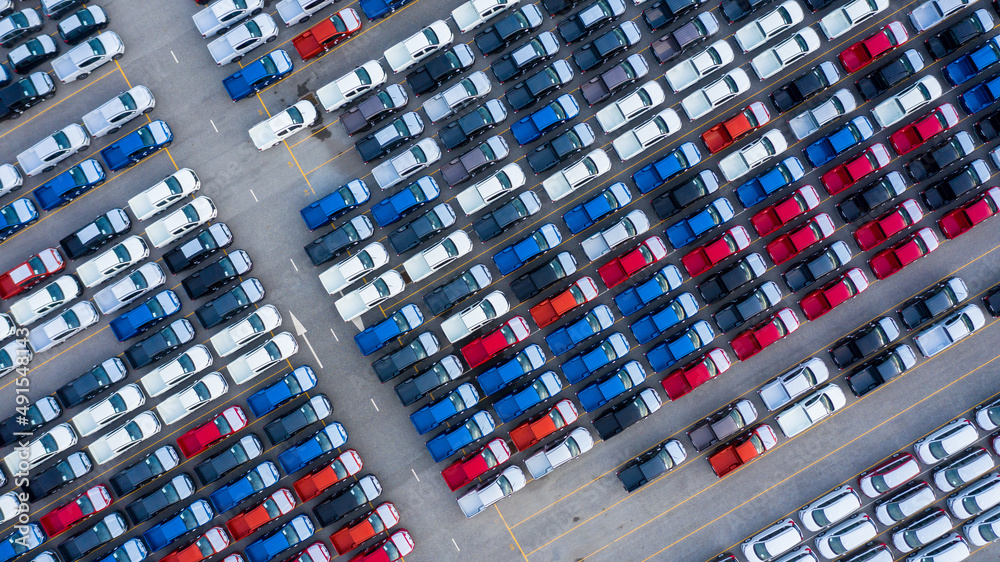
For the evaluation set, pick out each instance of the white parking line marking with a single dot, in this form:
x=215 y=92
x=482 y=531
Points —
x=175 y=57
x=254 y=196
x=415 y=474
x=213 y=125
x=376 y=405
x=334 y=334
x=293 y=264
x=456 y=545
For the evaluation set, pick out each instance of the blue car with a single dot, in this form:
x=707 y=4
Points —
x=575 y=332
x=450 y=441
x=679 y=160
x=291 y=385
x=258 y=75
x=532 y=394
x=981 y=96
x=688 y=229
x=132 y=550
x=584 y=215
x=405 y=201
x=322 y=442
x=20 y=541
x=557 y=112
x=347 y=197
x=496 y=378
x=638 y=296
x=289 y=535
x=448 y=406
x=375 y=9
x=523 y=251
x=855 y=132
x=604 y=390
x=784 y=174
x=148 y=314
x=668 y=353
x=70 y=184
x=140 y=143
x=16 y=216
x=652 y=325
x=602 y=354
x=968 y=66
x=237 y=491
x=168 y=530
x=374 y=338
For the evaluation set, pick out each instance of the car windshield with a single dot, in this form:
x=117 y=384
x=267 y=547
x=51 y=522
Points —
x=557 y=418
x=97 y=47
x=154 y=464
x=987 y=531
x=819 y=516
x=201 y=391
x=339 y=469
x=190 y=213
x=186 y=363
x=641 y=406
x=938 y=450
x=363 y=76
x=505 y=486
x=272 y=351
x=222 y=425
x=226 y=265
x=155 y=308
x=836 y=545
x=146 y=136
x=102 y=532
x=268 y=63
x=241 y=296
x=78 y=175
x=295 y=115
x=760 y=550
x=205 y=546
x=170 y=337
x=346 y=195
x=309 y=412
x=104 y=227
x=65 y=471
x=381 y=288
x=324 y=441
x=592 y=321
x=117 y=403
x=253 y=29
x=473 y=429
x=121 y=252
x=258 y=326
x=271 y=507
x=970 y=505
x=9 y=215
x=170 y=493
x=391 y=552
x=256 y=482
x=86 y=506
x=72 y=322
x=133 y=431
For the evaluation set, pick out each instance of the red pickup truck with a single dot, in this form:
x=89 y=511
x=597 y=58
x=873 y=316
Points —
x=621 y=268
x=742 y=450
x=326 y=34
x=551 y=309
x=733 y=129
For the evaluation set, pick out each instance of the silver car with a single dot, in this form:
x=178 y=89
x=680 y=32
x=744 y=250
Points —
x=830 y=508
x=897 y=507
x=946 y=441
x=927 y=527
x=856 y=531
x=952 y=548
x=988 y=416
x=978 y=497
x=972 y=464
x=984 y=529
x=772 y=541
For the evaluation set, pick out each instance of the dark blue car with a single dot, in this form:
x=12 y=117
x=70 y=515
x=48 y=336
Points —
x=584 y=215
x=606 y=389
x=405 y=201
x=533 y=126
x=258 y=75
x=70 y=184
x=148 y=314
x=291 y=385
x=784 y=174
x=499 y=376
x=663 y=170
x=528 y=396
x=638 y=296
x=21 y=540
x=140 y=143
x=519 y=253
x=347 y=197
x=16 y=216
x=168 y=530
x=397 y=324
x=237 y=491
x=289 y=535
x=968 y=66
x=375 y=9
x=981 y=96
x=444 y=408
x=855 y=132
x=323 y=441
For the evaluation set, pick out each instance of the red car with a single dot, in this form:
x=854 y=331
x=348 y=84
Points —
x=33 y=271
x=274 y=506
x=80 y=508
x=316 y=552
x=467 y=469
x=313 y=484
x=729 y=243
x=356 y=532
x=214 y=541
x=791 y=244
x=398 y=545
x=835 y=293
x=864 y=52
x=920 y=131
x=696 y=373
x=956 y=223
x=752 y=341
x=541 y=426
x=874 y=158
x=733 y=129
x=913 y=247
x=553 y=308
x=621 y=268
x=898 y=219
x=326 y=34
x=484 y=348
x=800 y=202
x=227 y=422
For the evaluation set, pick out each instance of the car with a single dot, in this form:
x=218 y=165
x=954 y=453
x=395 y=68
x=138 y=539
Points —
x=944 y=154
x=37 y=305
x=252 y=519
x=854 y=532
x=471 y=15
x=483 y=348
x=945 y=441
x=972 y=63
x=69 y=185
x=27 y=92
x=873 y=47
x=571 y=334
x=975 y=498
x=216 y=275
x=111 y=408
x=970 y=465
x=339 y=240
x=815 y=407
x=654 y=324
x=475 y=160
x=501 y=34
x=779 y=57
x=450 y=441
x=23 y=539
x=212 y=541
x=140 y=143
x=696 y=373
x=532 y=431
x=784 y=388
x=651 y=465
x=378 y=144
x=194 y=397
x=518 y=254
x=544 y=276
x=676 y=162
x=276 y=65
x=640 y=138
x=980 y=530
x=345 y=198
x=223 y=424
x=46 y=154
x=723 y=135
x=118 y=441
x=694 y=31
x=148 y=314
x=892 y=260
x=864 y=341
x=889 y=475
x=351 y=86
x=131 y=550
x=168 y=530
x=549 y=310
x=770 y=181
x=768 y=26
x=754 y=154
x=600 y=354
x=134 y=476
x=258 y=360
x=932 y=12
x=291 y=385
x=570 y=142
x=621 y=268
x=80 y=61
x=630 y=106
x=706 y=99
x=37 y=268
x=393 y=208
x=772 y=218
x=407 y=163
x=91 y=501
x=533 y=393
x=666 y=12
x=163 y=194
x=494 y=223
x=736 y=10
x=440 y=69
x=101 y=533
x=222 y=15
x=242 y=488
x=440 y=373
x=805 y=86
x=946 y=332
x=547 y=459
x=533 y=126
x=34 y=416
x=607 y=46
x=32 y=53
x=959 y=34
x=18 y=24
x=932 y=302
x=881 y=369
x=750 y=445
x=845 y=18
x=589 y=19
x=518 y=61
x=367 y=526
x=91 y=383
x=393 y=364
x=990 y=300
x=980 y=96
x=836 y=143
x=586 y=214
x=859 y=166
x=628 y=71
x=316 y=482
x=746 y=306
x=727 y=244
x=843 y=288
x=475 y=122
x=685 y=194
x=244 y=37
x=879 y=81
x=753 y=341
x=177 y=489
x=956 y=184
x=915 y=134
x=772 y=541
x=393 y=547
x=437 y=412
x=619 y=418
x=872 y=196
x=721 y=284
x=281 y=125
x=373 y=109
x=402 y=321
x=230 y=303
x=830 y=508
x=959 y=221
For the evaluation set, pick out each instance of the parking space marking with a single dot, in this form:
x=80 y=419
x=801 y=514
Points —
x=175 y=57
x=334 y=334
x=456 y=545
x=213 y=125
x=254 y=196
x=509 y=531
x=415 y=475
x=293 y=264
x=376 y=407
x=54 y=104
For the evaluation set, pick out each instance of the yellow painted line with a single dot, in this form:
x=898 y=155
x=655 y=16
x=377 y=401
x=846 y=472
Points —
x=504 y=521
x=26 y=121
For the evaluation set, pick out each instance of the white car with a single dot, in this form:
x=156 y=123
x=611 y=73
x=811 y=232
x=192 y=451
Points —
x=688 y=72
x=80 y=61
x=772 y=541
x=984 y=529
x=907 y=102
x=474 y=13
x=578 y=442
x=850 y=15
x=933 y=12
x=453 y=246
x=637 y=140
x=223 y=14
x=365 y=261
x=109 y=410
x=976 y=498
x=368 y=296
x=171 y=189
x=10 y=179
x=768 y=26
x=71 y=322
x=37 y=305
x=351 y=86
x=572 y=177
x=407 y=163
x=418 y=46
x=830 y=508
x=281 y=125
x=10 y=505
x=179 y=369
x=845 y=537
x=263 y=357
x=144 y=279
x=704 y=101
x=298 y=11
x=180 y=222
x=244 y=331
x=123 y=255
x=54 y=441
x=796 y=381
x=921 y=531
x=962 y=469
x=185 y=402
x=112 y=114
x=7 y=326
x=114 y=443
x=478 y=499
x=14 y=354
x=903 y=504
x=467 y=90
x=812 y=409
x=754 y=154
x=809 y=121
x=988 y=416
x=616 y=115
x=627 y=228
x=779 y=57
x=951 y=438
x=476 y=316
x=246 y=37
x=505 y=180
x=47 y=153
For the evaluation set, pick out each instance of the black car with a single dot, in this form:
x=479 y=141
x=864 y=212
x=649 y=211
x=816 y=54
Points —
x=525 y=93
x=822 y=262
x=556 y=7
x=83 y=24
x=666 y=12
x=959 y=34
x=956 y=185
x=230 y=303
x=864 y=341
x=221 y=464
x=340 y=505
x=341 y=239
x=628 y=413
x=194 y=250
x=870 y=197
x=32 y=53
x=34 y=417
x=498 y=220
x=819 y=78
x=651 y=465
x=509 y=29
x=940 y=157
x=96 y=233
x=456 y=290
x=988 y=128
x=883 y=368
x=932 y=302
x=158 y=345
x=472 y=124
x=47 y=482
x=20 y=24
x=88 y=385
x=318 y=407
x=736 y=10
x=559 y=149
x=894 y=72
x=544 y=276
x=523 y=58
x=992 y=301
x=422 y=228
x=373 y=109
x=217 y=274
x=133 y=477
x=55 y=9
x=100 y=534
x=392 y=136
x=601 y=88
x=607 y=46
x=465 y=167
x=439 y=69
x=690 y=191
x=718 y=286
x=696 y=30
x=177 y=489
x=411 y=390
x=393 y=364
x=25 y=93
x=817 y=5
x=746 y=306
x=590 y=19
